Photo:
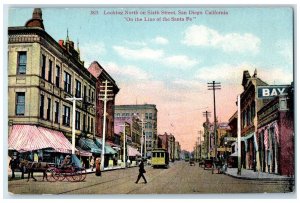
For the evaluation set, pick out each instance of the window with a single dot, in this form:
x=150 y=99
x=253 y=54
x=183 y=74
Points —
x=78 y=89
x=84 y=94
x=150 y=125
x=127 y=114
x=283 y=104
x=20 y=103
x=67 y=83
x=42 y=101
x=77 y=120
x=50 y=71
x=92 y=96
x=57 y=78
x=252 y=111
x=92 y=124
x=22 y=60
x=84 y=123
x=89 y=99
x=56 y=114
x=146 y=115
x=49 y=109
x=88 y=124
x=66 y=116
x=150 y=115
x=43 y=66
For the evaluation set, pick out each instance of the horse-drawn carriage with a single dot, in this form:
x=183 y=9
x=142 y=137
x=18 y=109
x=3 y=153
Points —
x=70 y=172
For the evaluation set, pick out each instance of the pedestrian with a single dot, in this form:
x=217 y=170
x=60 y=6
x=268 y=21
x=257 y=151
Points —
x=92 y=163
x=141 y=172
x=98 y=166
x=13 y=166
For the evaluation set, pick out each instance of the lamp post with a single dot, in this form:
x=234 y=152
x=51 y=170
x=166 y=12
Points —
x=73 y=99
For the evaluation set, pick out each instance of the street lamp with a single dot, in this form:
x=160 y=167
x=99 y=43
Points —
x=73 y=99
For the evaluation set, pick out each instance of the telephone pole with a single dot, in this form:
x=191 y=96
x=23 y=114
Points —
x=214 y=86
x=207 y=137
x=105 y=95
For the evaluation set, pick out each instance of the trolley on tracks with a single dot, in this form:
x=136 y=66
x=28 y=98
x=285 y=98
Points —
x=160 y=158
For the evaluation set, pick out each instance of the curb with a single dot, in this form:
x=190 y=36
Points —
x=263 y=179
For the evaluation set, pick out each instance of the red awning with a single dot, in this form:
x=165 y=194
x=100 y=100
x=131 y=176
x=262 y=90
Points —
x=30 y=138
x=82 y=152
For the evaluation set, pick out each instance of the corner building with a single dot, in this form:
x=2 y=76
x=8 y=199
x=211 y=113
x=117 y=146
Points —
x=42 y=73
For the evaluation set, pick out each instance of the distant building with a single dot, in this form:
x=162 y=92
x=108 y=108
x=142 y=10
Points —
x=148 y=114
x=167 y=142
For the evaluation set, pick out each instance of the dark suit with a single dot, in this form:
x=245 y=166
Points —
x=141 y=172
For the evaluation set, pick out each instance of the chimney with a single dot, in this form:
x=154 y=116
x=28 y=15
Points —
x=61 y=43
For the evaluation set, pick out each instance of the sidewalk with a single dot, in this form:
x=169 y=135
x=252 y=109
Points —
x=251 y=175
x=88 y=171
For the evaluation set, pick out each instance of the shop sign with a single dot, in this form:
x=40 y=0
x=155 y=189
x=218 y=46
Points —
x=265 y=92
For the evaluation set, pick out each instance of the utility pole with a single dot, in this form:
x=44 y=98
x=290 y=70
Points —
x=142 y=122
x=73 y=99
x=207 y=114
x=239 y=135
x=105 y=97
x=199 y=141
x=124 y=142
x=214 y=86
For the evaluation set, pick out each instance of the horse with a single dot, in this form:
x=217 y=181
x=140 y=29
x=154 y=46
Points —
x=31 y=167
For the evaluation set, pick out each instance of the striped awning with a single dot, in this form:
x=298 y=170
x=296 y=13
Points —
x=133 y=151
x=30 y=137
x=82 y=152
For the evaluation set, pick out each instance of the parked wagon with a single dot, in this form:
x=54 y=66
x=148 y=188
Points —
x=70 y=173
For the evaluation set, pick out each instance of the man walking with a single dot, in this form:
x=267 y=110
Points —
x=141 y=172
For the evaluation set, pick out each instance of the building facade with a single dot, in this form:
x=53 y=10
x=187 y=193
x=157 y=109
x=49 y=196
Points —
x=98 y=72
x=42 y=73
x=276 y=137
x=147 y=113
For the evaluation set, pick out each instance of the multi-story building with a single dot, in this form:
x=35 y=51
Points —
x=167 y=142
x=177 y=150
x=99 y=72
x=275 y=136
x=249 y=108
x=133 y=132
x=147 y=113
x=42 y=73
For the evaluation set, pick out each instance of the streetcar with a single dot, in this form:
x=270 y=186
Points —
x=160 y=158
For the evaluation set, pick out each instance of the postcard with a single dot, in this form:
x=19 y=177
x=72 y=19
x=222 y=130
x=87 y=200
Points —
x=150 y=100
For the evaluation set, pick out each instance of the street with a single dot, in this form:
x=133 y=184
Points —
x=179 y=178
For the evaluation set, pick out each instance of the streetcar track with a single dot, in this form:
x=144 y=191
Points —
x=97 y=184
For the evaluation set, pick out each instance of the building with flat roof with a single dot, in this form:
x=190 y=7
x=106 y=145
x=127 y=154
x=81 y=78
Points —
x=148 y=115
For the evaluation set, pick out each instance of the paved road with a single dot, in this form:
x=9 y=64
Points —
x=179 y=178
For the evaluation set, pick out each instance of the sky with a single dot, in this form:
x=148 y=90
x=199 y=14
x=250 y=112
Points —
x=169 y=60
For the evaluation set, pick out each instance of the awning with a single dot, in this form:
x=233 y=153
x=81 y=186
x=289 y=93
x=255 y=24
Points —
x=82 y=152
x=30 y=137
x=89 y=145
x=107 y=149
x=58 y=141
x=133 y=151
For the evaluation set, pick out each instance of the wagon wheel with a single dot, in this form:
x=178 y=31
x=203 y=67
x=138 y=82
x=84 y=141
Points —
x=50 y=174
x=83 y=174
x=77 y=175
